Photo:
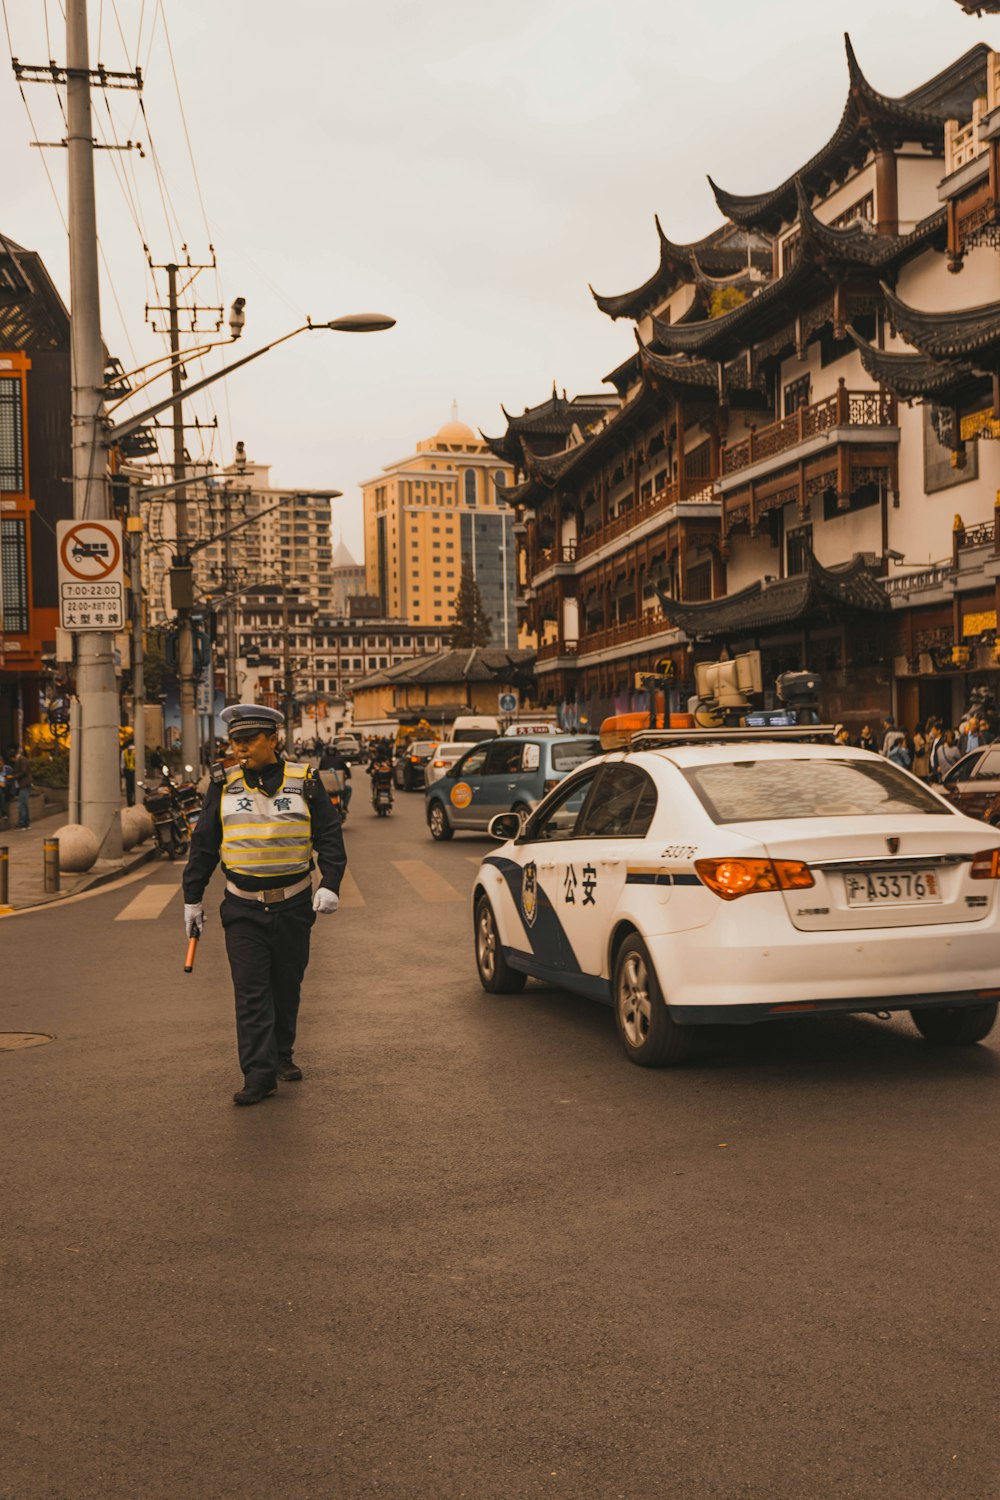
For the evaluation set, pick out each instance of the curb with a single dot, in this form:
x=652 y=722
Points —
x=92 y=882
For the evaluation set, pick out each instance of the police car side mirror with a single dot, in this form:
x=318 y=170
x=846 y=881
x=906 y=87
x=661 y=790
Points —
x=506 y=825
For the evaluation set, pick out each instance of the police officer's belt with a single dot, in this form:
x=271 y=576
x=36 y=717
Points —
x=269 y=897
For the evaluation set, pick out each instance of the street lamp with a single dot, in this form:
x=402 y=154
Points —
x=350 y=323
x=362 y=323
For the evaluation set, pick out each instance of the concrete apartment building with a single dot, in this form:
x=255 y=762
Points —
x=428 y=515
x=291 y=542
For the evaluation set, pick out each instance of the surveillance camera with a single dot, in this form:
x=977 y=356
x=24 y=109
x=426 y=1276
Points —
x=237 y=317
x=241 y=456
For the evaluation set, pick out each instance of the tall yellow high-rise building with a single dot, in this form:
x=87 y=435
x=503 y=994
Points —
x=428 y=515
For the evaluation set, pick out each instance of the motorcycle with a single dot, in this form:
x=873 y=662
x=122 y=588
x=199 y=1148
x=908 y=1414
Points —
x=171 y=824
x=336 y=785
x=189 y=798
x=381 y=774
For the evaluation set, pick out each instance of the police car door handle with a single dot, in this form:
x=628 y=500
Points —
x=546 y=864
x=610 y=860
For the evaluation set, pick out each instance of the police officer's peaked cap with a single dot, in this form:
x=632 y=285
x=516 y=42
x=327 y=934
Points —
x=247 y=719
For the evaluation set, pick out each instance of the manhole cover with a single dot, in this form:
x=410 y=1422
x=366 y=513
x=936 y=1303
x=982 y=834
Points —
x=13 y=1041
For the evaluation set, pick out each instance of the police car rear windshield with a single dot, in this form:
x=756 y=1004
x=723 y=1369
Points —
x=568 y=754
x=751 y=791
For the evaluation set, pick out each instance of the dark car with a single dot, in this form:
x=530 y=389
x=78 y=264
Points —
x=408 y=770
x=350 y=748
x=973 y=783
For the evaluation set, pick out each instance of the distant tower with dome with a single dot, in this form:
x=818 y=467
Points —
x=347 y=579
x=428 y=515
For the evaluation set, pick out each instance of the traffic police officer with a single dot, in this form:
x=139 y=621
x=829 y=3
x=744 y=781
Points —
x=264 y=817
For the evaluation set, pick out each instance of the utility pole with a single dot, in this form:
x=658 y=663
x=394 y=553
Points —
x=138 y=666
x=97 y=688
x=181 y=573
x=286 y=659
x=229 y=580
x=181 y=570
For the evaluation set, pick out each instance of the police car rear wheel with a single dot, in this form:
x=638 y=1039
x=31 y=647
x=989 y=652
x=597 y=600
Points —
x=437 y=820
x=955 y=1026
x=650 y=1036
x=495 y=974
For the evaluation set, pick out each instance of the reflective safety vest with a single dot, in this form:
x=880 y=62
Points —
x=128 y=757
x=264 y=835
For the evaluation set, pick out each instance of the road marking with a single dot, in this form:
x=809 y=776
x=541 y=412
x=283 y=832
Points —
x=350 y=895
x=427 y=882
x=149 y=904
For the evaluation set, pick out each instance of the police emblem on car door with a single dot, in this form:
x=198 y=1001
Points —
x=529 y=893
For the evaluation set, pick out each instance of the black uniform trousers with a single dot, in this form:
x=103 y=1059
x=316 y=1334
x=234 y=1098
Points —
x=268 y=948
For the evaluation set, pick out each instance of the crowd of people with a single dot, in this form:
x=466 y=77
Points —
x=929 y=749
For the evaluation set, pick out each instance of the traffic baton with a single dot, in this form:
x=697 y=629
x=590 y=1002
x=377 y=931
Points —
x=192 y=950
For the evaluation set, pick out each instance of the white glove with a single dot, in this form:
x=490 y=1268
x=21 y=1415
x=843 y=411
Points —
x=325 y=900
x=194 y=919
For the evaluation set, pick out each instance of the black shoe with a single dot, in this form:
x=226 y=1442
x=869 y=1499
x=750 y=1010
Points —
x=254 y=1093
x=289 y=1072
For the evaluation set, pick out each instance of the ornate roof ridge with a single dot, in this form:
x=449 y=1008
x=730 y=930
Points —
x=909 y=375
x=965 y=331
x=747 y=276
x=848 y=584
x=693 y=337
x=857 y=242
x=696 y=372
x=864 y=107
x=674 y=257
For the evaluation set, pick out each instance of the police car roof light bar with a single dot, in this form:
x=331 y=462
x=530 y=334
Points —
x=660 y=739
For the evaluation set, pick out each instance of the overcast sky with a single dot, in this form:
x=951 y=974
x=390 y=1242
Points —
x=464 y=165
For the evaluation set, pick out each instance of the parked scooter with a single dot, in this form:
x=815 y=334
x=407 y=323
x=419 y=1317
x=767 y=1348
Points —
x=381 y=775
x=171 y=821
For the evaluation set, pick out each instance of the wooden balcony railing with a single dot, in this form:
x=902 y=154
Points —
x=562 y=554
x=843 y=409
x=632 y=630
x=627 y=520
x=551 y=649
x=983 y=534
x=933 y=577
x=962 y=143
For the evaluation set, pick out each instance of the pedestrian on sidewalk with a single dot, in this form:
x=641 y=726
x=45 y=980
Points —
x=128 y=770
x=264 y=817
x=6 y=789
x=23 y=782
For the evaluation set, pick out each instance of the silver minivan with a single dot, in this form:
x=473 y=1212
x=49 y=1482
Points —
x=510 y=773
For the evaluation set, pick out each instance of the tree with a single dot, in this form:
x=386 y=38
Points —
x=470 y=625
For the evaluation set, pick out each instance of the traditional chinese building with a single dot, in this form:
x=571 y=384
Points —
x=761 y=484
x=34 y=463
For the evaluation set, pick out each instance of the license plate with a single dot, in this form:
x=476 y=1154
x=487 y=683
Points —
x=892 y=888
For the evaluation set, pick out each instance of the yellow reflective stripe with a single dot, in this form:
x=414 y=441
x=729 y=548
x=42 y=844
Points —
x=284 y=824
x=266 y=857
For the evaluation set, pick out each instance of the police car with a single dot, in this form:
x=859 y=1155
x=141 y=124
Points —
x=742 y=875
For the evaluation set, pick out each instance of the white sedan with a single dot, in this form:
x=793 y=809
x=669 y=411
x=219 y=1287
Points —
x=738 y=876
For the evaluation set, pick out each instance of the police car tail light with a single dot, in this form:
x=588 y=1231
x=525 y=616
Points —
x=986 y=866
x=732 y=878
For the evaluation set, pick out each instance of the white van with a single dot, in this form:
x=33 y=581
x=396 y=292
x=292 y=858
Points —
x=470 y=729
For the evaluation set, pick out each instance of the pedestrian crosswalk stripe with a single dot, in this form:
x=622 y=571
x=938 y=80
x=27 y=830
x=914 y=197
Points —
x=350 y=895
x=427 y=882
x=150 y=903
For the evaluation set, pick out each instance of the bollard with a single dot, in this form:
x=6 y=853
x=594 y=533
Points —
x=50 y=860
x=4 y=876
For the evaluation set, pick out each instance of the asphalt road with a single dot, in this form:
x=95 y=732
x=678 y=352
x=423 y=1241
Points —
x=475 y=1253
